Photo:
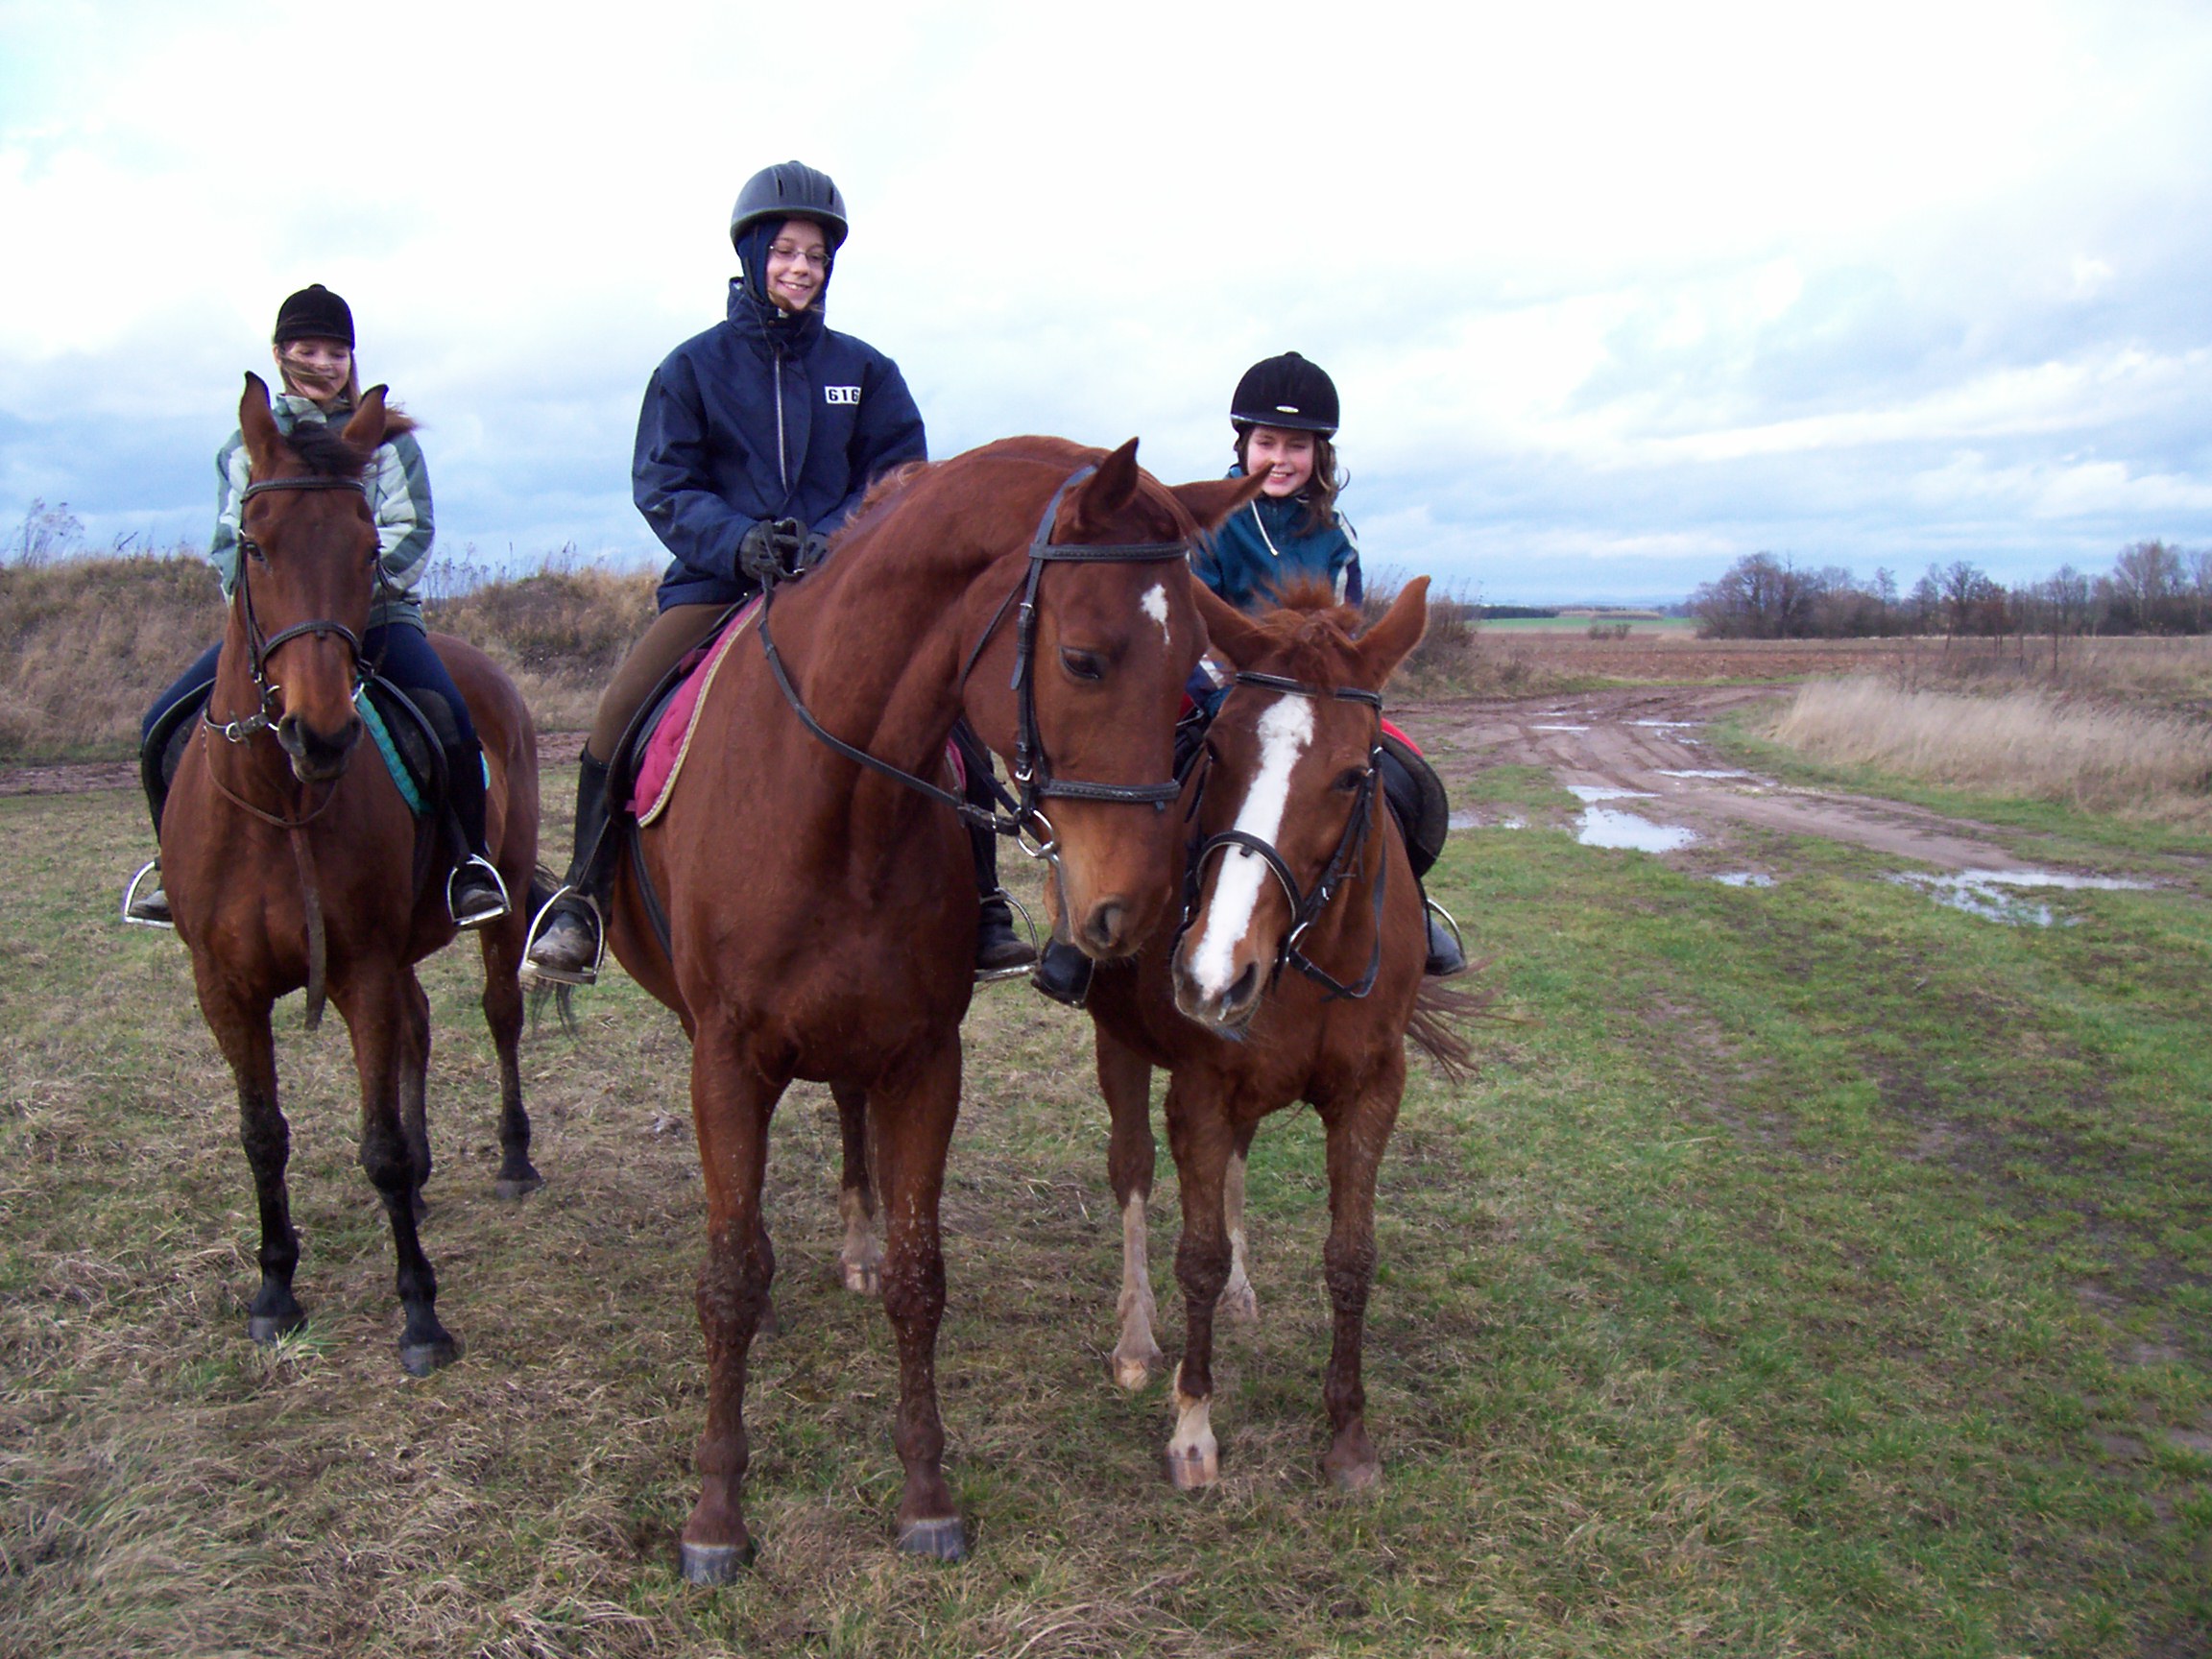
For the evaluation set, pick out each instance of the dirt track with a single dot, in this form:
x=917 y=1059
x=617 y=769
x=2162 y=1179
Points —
x=1642 y=750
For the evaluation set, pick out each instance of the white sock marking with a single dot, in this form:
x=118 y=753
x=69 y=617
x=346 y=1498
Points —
x=1284 y=731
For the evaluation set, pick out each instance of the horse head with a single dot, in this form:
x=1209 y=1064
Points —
x=307 y=553
x=1290 y=770
x=1113 y=640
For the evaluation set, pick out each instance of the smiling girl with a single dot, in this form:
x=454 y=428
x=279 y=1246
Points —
x=1285 y=416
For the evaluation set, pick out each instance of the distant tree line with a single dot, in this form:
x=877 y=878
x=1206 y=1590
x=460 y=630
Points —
x=2151 y=588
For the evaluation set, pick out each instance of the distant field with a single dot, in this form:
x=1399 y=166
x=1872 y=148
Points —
x=1639 y=623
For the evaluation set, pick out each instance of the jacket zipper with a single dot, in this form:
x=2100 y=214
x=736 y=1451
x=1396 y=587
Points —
x=782 y=460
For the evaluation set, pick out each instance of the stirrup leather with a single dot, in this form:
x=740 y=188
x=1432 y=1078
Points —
x=152 y=867
x=478 y=918
x=534 y=974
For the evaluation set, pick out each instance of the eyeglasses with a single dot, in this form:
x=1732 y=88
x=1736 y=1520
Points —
x=784 y=251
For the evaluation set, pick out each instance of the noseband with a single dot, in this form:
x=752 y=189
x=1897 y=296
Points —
x=258 y=647
x=1305 y=908
x=1032 y=772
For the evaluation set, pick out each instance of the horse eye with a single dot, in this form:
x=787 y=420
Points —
x=1082 y=665
x=1349 y=783
x=254 y=553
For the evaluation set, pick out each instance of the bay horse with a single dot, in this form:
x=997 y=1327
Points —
x=287 y=867
x=1293 y=863
x=807 y=916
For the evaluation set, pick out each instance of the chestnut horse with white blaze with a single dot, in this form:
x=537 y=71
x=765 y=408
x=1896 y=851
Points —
x=289 y=862
x=820 y=916
x=1296 y=974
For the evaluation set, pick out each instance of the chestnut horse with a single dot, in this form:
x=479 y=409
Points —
x=820 y=916
x=1294 y=862
x=287 y=867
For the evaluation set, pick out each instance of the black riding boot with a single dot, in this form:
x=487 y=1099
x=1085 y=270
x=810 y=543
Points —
x=566 y=936
x=475 y=892
x=1001 y=952
x=150 y=908
x=1445 y=956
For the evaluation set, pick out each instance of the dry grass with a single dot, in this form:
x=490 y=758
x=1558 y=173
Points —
x=2026 y=743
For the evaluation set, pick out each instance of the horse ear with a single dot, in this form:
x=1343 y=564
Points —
x=257 y=426
x=1107 y=490
x=366 y=430
x=1211 y=502
x=1228 y=630
x=1383 y=646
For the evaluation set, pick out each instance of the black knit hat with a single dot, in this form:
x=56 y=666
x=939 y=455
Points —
x=1288 y=391
x=314 y=313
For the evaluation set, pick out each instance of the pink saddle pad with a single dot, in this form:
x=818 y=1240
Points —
x=665 y=747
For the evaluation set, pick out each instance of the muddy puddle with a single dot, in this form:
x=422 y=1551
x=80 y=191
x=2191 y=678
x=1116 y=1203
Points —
x=1625 y=832
x=2000 y=895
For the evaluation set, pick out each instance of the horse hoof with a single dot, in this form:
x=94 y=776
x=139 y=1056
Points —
x=862 y=1279
x=518 y=1185
x=1194 y=1471
x=1133 y=1372
x=770 y=1325
x=1240 y=1306
x=1355 y=1477
x=421 y=1359
x=715 y=1563
x=939 y=1540
x=266 y=1328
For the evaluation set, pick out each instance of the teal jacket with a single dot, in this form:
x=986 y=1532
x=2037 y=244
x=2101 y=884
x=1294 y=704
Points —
x=1264 y=547
x=399 y=501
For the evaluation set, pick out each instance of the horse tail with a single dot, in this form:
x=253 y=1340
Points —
x=1438 y=1008
x=543 y=884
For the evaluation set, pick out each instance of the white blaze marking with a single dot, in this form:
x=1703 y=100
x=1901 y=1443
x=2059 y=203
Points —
x=1155 y=606
x=1284 y=731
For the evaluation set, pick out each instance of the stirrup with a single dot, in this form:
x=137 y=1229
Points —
x=533 y=972
x=1452 y=926
x=487 y=913
x=152 y=867
x=1022 y=971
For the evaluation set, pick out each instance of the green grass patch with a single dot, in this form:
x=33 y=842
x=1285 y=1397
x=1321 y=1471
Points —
x=1811 y=1270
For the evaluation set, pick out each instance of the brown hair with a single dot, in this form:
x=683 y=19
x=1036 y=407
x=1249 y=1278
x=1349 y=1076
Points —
x=1322 y=489
x=395 y=420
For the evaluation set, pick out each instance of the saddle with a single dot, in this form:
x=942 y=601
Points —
x=403 y=734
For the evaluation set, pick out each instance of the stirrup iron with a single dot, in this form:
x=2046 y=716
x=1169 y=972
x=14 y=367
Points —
x=532 y=974
x=152 y=867
x=1025 y=970
x=477 y=918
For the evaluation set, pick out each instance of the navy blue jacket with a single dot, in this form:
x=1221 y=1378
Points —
x=1264 y=547
x=765 y=415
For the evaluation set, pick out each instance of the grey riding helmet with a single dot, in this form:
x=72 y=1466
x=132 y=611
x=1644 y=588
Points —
x=1286 y=392
x=789 y=190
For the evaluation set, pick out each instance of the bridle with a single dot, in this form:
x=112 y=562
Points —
x=260 y=647
x=1032 y=771
x=1306 y=907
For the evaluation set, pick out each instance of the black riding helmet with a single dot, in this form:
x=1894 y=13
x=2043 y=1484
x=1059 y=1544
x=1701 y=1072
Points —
x=789 y=190
x=1286 y=392
x=314 y=313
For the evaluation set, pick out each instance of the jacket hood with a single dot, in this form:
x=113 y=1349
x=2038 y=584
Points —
x=786 y=328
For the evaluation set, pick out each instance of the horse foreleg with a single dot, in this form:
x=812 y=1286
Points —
x=247 y=1043
x=913 y=1116
x=731 y=1102
x=379 y=1016
x=860 y=1257
x=1356 y=1137
x=1125 y=1081
x=1202 y=1143
x=1239 y=1302
x=413 y=1065
x=503 y=1010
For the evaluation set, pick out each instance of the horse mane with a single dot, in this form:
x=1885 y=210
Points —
x=1310 y=629
x=886 y=488
x=321 y=447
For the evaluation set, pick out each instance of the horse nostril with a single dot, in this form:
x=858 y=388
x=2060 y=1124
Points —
x=1103 y=929
x=1247 y=985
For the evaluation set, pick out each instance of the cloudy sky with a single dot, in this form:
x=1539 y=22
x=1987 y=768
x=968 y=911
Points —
x=1612 y=293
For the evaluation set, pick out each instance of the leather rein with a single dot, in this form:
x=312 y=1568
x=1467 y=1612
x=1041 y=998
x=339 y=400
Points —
x=1306 y=907
x=1032 y=772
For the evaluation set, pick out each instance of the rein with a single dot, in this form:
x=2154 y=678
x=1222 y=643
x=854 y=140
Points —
x=1032 y=772
x=1305 y=908
x=242 y=728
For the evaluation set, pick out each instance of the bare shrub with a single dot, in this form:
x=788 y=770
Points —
x=2140 y=763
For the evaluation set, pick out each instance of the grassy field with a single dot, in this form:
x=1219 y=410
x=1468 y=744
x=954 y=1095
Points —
x=1810 y=1272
